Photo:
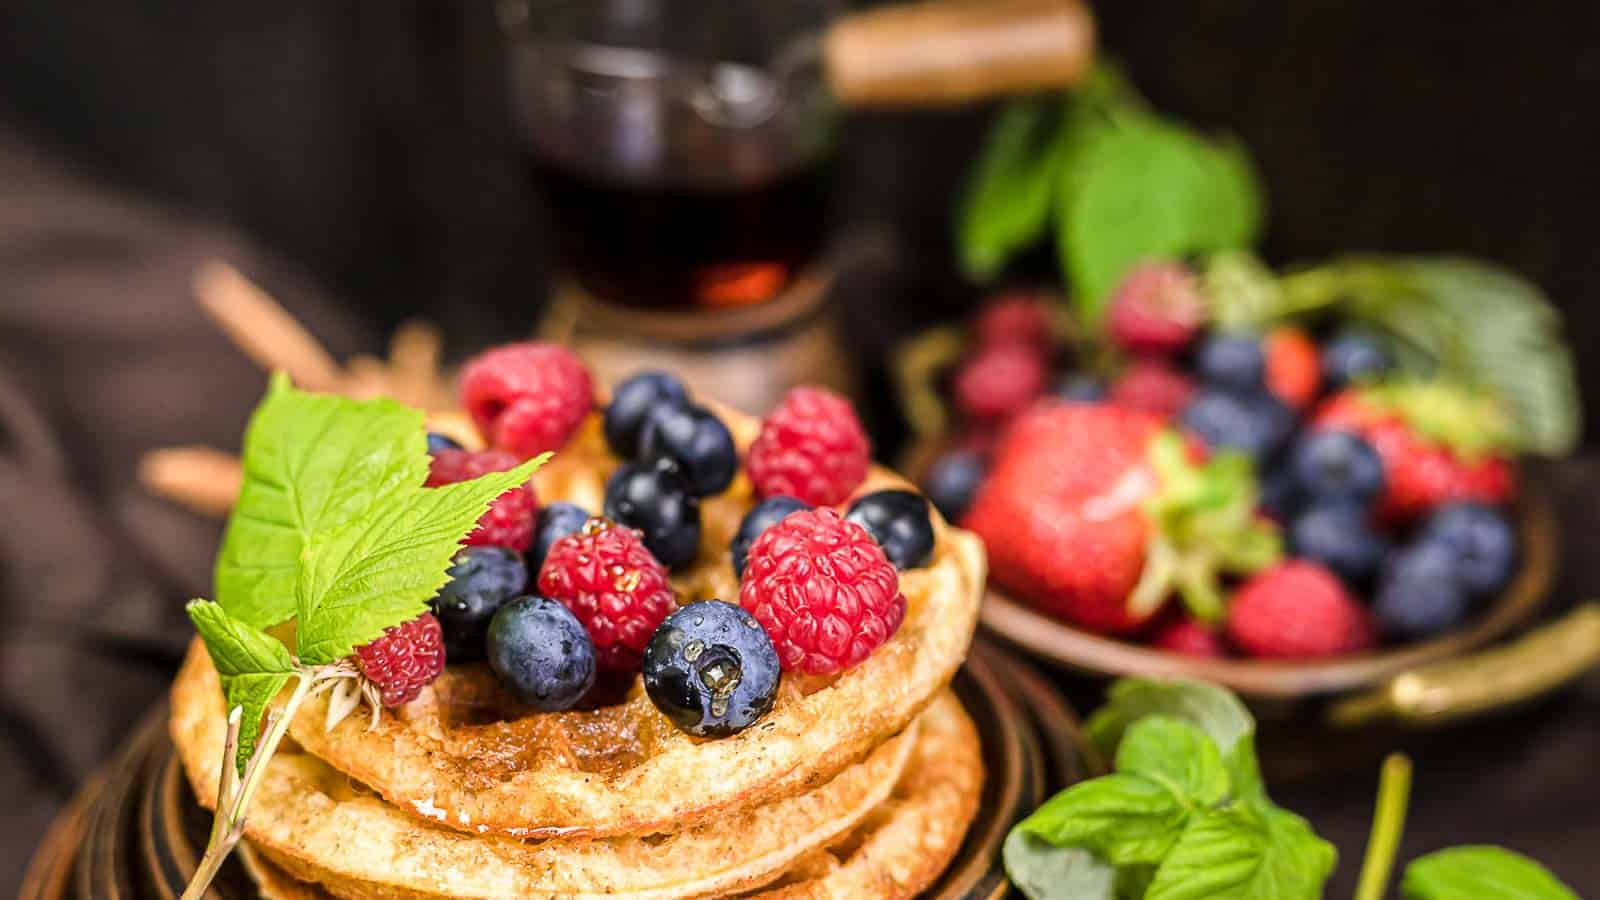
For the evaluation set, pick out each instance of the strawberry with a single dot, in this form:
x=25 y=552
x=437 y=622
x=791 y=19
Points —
x=1293 y=366
x=1439 y=443
x=1095 y=514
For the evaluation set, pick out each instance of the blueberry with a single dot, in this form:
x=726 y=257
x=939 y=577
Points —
x=1232 y=360
x=711 y=669
x=953 y=481
x=898 y=521
x=1337 y=465
x=658 y=502
x=482 y=579
x=632 y=402
x=555 y=522
x=1352 y=357
x=767 y=513
x=696 y=441
x=541 y=652
x=1254 y=423
x=1484 y=543
x=437 y=442
x=1419 y=592
x=1338 y=536
x=1077 y=387
x=1281 y=496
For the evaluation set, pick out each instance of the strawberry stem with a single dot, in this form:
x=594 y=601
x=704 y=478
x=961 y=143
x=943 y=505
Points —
x=1388 y=821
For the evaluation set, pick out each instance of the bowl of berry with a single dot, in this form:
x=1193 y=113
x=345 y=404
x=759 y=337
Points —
x=1298 y=484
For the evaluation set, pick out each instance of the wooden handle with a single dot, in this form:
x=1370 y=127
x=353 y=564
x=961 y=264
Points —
x=944 y=52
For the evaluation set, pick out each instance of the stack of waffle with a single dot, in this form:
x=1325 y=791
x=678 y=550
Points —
x=860 y=784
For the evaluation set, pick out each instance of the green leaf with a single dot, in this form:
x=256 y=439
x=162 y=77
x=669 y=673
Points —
x=1042 y=871
x=1007 y=202
x=1176 y=754
x=310 y=461
x=253 y=666
x=1214 y=710
x=1244 y=854
x=1481 y=873
x=381 y=568
x=1124 y=818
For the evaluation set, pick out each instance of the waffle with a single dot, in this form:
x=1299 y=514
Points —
x=465 y=756
x=895 y=851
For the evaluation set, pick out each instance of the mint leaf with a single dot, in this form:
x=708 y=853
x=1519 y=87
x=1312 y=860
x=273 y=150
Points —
x=310 y=461
x=381 y=568
x=1007 y=202
x=1480 y=873
x=1214 y=710
x=253 y=665
x=1244 y=854
x=1124 y=818
x=1175 y=754
x=1045 y=872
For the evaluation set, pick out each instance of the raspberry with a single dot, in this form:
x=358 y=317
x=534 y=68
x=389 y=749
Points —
x=508 y=522
x=1294 y=366
x=619 y=592
x=527 y=398
x=824 y=591
x=1189 y=637
x=1019 y=318
x=1295 y=610
x=404 y=660
x=1157 y=308
x=1000 y=381
x=812 y=448
x=1153 y=386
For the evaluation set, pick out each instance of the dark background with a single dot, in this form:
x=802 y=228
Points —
x=364 y=146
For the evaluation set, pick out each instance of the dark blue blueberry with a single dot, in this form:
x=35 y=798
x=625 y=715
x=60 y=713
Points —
x=1281 y=496
x=1232 y=361
x=1078 y=387
x=898 y=521
x=632 y=402
x=711 y=669
x=541 y=652
x=482 y=579
x=555 y=522
x=1254 y=423
x=1337 y=465
x=953 y=481
x=696 y=441
x=658 y=502
x=1352 y=357
x=767 y=513
x=1419 y=592
x=1484 y=543
x=1339 y=536
x=437 y=442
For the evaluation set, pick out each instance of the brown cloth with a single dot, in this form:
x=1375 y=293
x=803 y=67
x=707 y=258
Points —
x=103 y=355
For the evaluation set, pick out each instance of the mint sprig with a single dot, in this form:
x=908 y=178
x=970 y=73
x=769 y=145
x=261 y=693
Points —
x=334 y=529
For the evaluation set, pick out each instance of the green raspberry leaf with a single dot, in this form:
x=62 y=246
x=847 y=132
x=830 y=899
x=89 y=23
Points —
x=1214 y=710
x=1042 y=871
x=311 y=461
x=1124 y=818
x=1176 y=754
x=1007 y=202
x=1244 y=854
x=1481 y=873
x=381 y=568
x=253 y=665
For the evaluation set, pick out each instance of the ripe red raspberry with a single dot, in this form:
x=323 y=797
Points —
x=406 y=659
x=812 y=447
x=999 y=381
x=1153 y=386
x=527 y=398
x=1294 y=366
x=1295 y=610
x=508 y=522
x=1158 y=308
x=1189 y=637
x=824 y=591
x=619 y=592
x=1019 y=318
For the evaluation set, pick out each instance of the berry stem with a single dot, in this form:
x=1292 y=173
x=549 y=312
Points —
x=234 y=795
x=1388 y=822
